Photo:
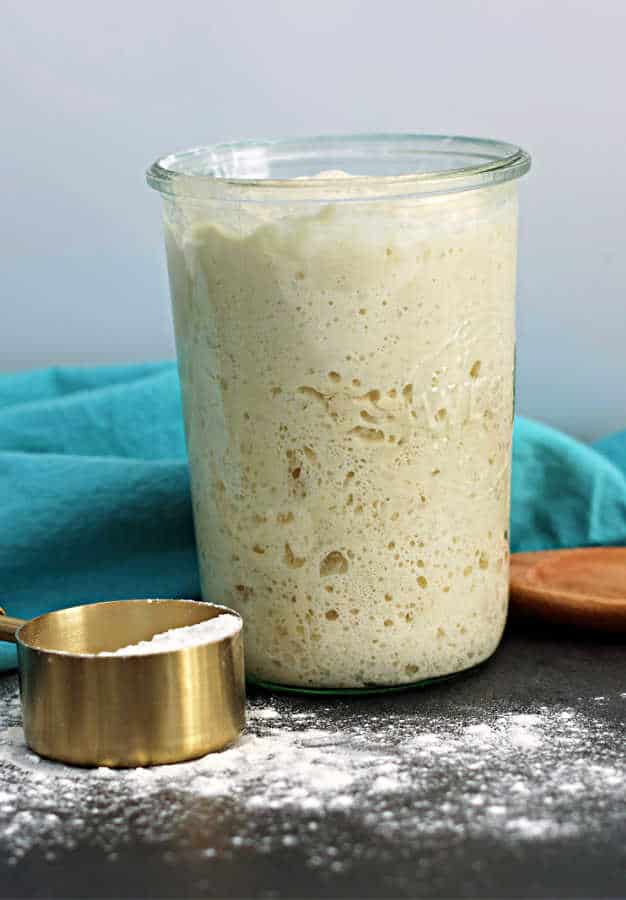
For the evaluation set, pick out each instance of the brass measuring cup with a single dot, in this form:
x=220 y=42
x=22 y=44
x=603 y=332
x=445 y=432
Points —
x=122 y=711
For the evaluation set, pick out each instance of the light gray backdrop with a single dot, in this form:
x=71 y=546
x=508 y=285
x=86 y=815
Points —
x=92 y=92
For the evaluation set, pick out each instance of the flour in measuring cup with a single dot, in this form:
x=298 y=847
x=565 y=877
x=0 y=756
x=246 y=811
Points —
x=180 y=638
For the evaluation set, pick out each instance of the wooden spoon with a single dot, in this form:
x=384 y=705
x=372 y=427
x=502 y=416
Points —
x=584 y=587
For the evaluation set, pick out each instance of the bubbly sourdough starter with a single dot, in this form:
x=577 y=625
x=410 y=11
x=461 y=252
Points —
x=347 y=376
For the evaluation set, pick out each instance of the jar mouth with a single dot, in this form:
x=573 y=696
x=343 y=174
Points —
x=352 y=167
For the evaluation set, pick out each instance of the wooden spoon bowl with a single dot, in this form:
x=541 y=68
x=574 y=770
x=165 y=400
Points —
x=582 y=587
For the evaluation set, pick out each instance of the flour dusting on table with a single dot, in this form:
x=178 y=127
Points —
x=540 y=774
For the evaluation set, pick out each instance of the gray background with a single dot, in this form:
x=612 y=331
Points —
x=93 y=92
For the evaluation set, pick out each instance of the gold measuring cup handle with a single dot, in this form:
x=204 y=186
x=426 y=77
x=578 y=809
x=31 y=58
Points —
x=8 y=626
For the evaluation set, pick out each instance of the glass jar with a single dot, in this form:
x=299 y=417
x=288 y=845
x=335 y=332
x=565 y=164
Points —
x=344 y=316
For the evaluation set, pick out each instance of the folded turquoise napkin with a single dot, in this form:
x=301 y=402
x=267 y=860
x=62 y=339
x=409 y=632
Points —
x=94 y=492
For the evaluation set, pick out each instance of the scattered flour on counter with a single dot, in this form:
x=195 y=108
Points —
x=550 y=773
x=207 y=632
x=268 y=713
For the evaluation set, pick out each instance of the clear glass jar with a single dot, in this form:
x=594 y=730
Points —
x=346 y=351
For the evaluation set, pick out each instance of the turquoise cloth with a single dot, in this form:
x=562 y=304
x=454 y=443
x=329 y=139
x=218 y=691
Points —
x=94 y=492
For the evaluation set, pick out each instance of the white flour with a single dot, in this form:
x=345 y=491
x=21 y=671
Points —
x=542 y=774
x=178 y=638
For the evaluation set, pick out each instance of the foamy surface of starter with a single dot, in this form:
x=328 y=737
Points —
x=178 y=638
x=347 y=376
x=327 y=175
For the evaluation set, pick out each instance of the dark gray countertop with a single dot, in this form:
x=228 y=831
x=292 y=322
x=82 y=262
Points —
x=507 y=782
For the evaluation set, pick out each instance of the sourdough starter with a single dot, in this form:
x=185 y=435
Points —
x=347 y=375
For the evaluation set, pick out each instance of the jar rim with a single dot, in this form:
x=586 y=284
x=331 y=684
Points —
x=402 y=165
